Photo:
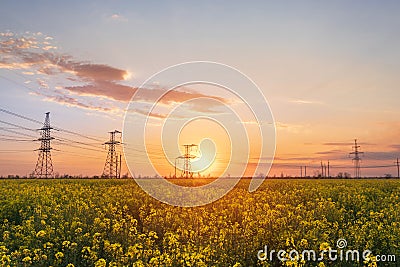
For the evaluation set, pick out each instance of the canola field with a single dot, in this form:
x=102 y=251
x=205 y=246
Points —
x=114 y=223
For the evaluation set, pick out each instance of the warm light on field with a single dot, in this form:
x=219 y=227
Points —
x=198 y=130
x=100 y=222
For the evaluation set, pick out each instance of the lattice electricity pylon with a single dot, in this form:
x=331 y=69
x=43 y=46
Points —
x=112 y=168
x=44 y=165
x=187 y=167
x=356 y=159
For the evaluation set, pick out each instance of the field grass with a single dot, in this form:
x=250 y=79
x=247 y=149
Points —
x=114 y=223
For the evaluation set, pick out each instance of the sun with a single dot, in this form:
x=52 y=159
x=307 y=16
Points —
x=127 y=75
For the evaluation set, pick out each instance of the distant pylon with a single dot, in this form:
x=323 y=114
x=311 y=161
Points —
x=329 y=174
x=44 y=165
x=356 y=159
x=112 y=168
x=187 y=168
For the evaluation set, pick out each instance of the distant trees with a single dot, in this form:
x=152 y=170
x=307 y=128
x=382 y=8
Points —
x=345 y=175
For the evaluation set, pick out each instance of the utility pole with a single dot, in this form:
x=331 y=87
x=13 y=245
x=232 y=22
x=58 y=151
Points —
x=329 y=176
x=111 y=165
x=116 y=166
x=356 y=159
x=186 y=160
x=398 y=169
x=44 y=164
x=301 y=171
x=305 y=171
x=120 y=165
x=322 y=170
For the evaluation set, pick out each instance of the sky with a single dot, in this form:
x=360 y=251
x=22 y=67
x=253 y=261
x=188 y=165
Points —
x=329 y=71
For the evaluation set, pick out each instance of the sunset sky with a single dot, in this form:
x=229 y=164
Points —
x=329 y=70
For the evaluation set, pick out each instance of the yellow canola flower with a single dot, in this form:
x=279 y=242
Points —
x=41 y=233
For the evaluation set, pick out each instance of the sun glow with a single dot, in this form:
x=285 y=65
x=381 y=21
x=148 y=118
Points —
x=127 y=76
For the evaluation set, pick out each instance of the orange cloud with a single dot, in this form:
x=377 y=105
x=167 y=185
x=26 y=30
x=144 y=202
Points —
x=74 y=102
x=99 y=72
x=152 y=114
x=107 y=89
x=31 y=54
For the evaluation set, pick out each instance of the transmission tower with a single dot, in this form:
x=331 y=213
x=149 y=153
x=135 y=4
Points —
x=44 y=165
x=112 y=168
x=356 y=159
x=187 y=168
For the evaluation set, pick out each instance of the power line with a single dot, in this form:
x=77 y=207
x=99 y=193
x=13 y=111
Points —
x=76 y=142
x=79 y=154
x=18 y=133
x=55 y=127
x=33 y=120
x=61 y=140
x=15 y=140
x=19 y=84
x=376 y=167
x=77 y=134
x=152 y=152
x=15 y=125
x=19 y=116
x=36 y=121
x=76 y=146
x=14 y=150
x=10 y=136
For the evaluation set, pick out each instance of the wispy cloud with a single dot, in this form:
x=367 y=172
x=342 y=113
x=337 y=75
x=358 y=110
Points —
x=31 y=55
x=298 y=159
x=69 y=101
x=68 y=80
x=395 y=147
x=348 y=144
x=106 y=89
x=381 y=155
x=151 y=114
x=117 y=17
x=330 y=152
x=304 y=102
x=292 y=128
